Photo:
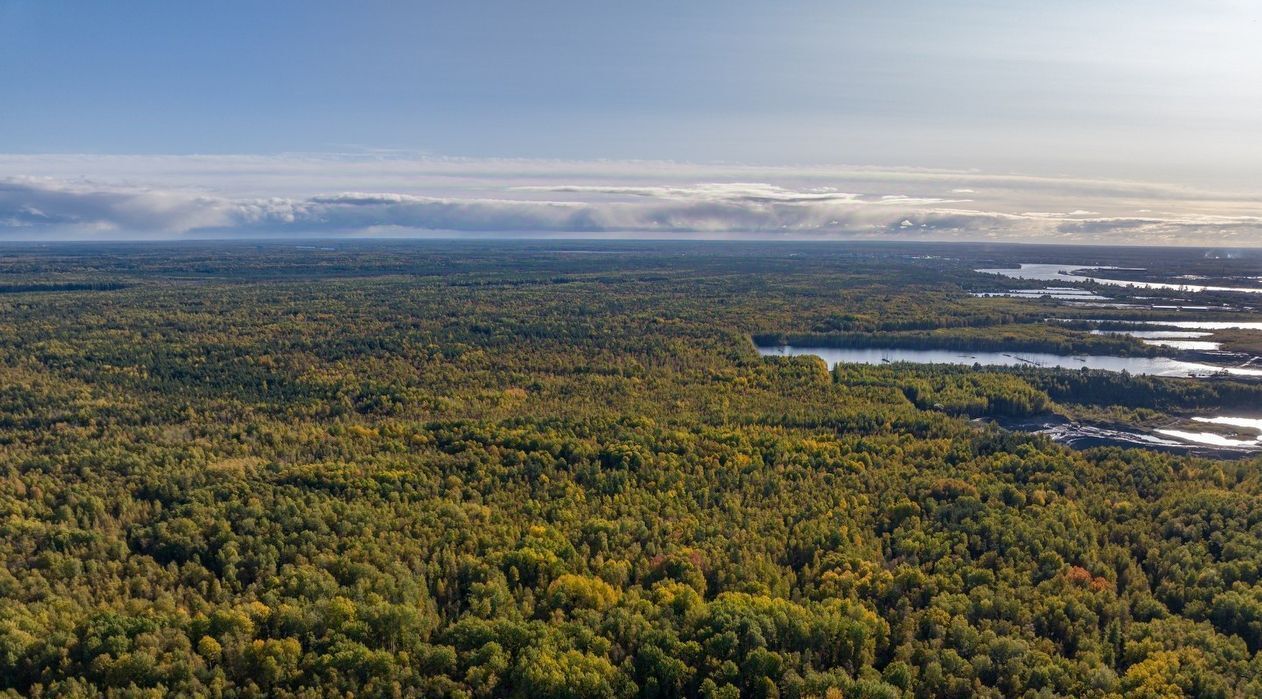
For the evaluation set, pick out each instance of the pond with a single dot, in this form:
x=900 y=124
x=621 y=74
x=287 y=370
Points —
x=1156 y=366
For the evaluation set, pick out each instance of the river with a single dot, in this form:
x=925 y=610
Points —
x=1156 y=366
x=1065 y=273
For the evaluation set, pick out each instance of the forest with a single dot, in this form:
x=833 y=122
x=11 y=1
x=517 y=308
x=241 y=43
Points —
x=561 y=469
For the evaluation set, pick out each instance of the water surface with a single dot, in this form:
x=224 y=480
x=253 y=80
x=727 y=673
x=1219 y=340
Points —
x=1178 y=324
x=1060 y=293
x=1211 y=439
x=1251 y=423
x=1066 y=273
x=1155 y=366
x=1218 y=440
x=1178 y=339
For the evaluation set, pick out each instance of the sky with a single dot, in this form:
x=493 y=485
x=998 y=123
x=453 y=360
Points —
x=1104 y=121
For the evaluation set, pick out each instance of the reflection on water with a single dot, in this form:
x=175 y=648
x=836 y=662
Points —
x=1065 y=273
x=1203 y=324
x=1156 y=366
x=1180 y=324
x=1217 y=440
x=1178 y=339
x=1192 y=345
x=1209 y=438
x=1251 y=423
x=1061 y=293
x=1156 y=334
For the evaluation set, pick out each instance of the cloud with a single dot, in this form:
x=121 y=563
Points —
x=294 y=195
x=30 y=203
x=707 y=208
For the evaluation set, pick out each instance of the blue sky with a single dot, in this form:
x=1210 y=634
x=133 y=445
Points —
x=1161 y=91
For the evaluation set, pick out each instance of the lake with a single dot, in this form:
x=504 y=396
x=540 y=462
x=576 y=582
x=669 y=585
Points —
x=1065 y=273
x=1156 y=366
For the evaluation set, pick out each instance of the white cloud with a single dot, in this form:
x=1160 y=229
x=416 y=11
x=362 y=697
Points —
x=168 y=196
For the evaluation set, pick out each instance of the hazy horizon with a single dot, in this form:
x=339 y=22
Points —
x=1111 y=123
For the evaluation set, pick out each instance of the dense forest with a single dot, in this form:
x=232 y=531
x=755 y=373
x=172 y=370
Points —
x=562 y=470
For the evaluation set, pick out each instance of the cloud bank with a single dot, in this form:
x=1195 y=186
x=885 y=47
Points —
x=120 y=197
